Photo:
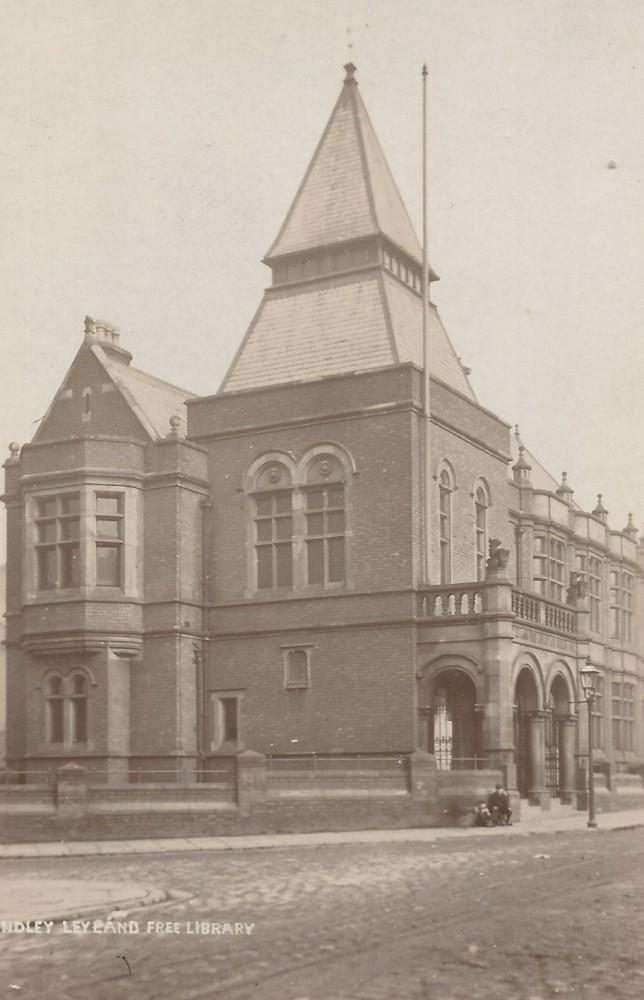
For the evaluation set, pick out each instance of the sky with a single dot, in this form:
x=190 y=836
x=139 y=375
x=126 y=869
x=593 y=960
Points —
x=151 y=149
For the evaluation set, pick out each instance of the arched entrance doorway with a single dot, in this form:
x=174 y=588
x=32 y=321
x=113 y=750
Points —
x=526 y=704
x=452 y=730
x=559 y=741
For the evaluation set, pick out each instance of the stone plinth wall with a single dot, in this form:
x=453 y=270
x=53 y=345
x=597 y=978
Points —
x=459 y=791
x=310 y=777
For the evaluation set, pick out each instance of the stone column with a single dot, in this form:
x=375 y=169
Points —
x=537 y=757
x=497 y=714
x=251 y=780
x=567 y=730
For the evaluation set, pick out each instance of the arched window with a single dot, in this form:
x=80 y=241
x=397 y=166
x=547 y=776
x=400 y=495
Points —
x=445 y=488
x=297 y=527
x=325 y=522
x=480 y=530
x=55 y=710
x=67 y=709
x=78 y=715
x=273 y=527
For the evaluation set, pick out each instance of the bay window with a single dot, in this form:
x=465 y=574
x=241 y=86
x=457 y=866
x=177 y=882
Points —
x=58 y=541
x=549 y=567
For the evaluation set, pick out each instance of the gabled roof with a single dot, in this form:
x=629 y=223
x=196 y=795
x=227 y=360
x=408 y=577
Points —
x=152 y=400
x=348 y=191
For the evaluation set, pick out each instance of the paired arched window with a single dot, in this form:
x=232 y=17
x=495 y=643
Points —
x=479 y=525
x=66 y=699
x=299 y=535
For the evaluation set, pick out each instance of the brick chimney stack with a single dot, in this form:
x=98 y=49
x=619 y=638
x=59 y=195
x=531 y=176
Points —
x=98 y=331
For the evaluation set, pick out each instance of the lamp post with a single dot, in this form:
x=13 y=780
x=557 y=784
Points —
x=588 y=676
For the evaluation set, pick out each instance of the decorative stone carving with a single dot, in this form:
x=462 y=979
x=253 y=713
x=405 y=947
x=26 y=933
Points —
x=578 y=588
x=498 y=556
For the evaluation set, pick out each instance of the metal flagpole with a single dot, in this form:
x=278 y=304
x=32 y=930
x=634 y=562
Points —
x=427 y=486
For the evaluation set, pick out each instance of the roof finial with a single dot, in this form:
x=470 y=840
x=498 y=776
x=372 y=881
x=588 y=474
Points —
x=630 y=528
x=600 y=511
x=563 y=490
x=350 y=69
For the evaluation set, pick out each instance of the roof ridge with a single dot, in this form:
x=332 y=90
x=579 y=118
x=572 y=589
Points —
x=362 y=111
x=147 y=375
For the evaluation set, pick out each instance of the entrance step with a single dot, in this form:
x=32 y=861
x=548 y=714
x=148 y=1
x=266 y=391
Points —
x=554 y=810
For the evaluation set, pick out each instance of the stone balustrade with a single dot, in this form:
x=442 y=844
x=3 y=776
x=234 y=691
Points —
x=454 y=600
x=537 y=611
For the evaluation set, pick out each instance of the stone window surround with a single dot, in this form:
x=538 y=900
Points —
x=446 y=486
x=621 y=589
x=591 y=564
x=218 y=744
x=68 y=746
x=481 y=532
x=549 y=577
x=289 y=683
x=131 y=539
x=297 y=485
x=623 y=695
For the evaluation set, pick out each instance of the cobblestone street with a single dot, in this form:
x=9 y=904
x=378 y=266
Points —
x=514 y=918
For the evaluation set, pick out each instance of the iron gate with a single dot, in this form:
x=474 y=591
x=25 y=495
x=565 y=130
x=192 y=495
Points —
x=552 y=753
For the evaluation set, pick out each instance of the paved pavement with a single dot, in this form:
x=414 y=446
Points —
x=29 y=900
x=538 y=822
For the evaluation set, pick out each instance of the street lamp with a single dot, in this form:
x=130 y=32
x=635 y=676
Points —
x=588 y=676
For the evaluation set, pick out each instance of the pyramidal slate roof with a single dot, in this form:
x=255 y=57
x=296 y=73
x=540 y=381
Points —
x=348 y=190
x=367 y=321
x=346 y=272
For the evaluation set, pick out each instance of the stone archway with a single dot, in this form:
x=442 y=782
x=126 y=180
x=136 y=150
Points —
x=529 y=743
x=560 y=741
x=451 y=723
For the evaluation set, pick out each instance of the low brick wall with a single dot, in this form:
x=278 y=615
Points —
x=158 y=798
x=27 y=798
x=373 y=796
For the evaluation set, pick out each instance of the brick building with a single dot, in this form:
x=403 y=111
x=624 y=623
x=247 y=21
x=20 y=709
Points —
x=193 y=577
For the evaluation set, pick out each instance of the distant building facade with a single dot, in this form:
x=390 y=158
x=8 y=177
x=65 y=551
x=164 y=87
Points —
x=192 y=577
